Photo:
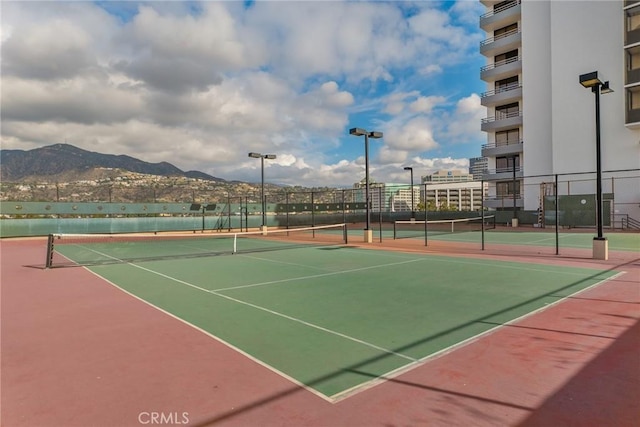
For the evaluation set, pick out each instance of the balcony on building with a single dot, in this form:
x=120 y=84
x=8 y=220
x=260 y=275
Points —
x=508 y=93
x=494 y=149
x=501 y=14
x=632 y=110
x=632 y=72
x=632 y=25
x=503 y=202
x=632 y=113
x=501 y=69
x=501 y=43
x=502 y=174
x=501 y=121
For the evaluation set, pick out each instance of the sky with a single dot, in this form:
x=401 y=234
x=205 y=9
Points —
x=202 y=84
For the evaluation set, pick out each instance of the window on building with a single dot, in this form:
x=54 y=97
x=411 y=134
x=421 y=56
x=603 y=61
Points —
x=503 y=5
x=506 y=84
x=633 y=58
x=505 y=164
x=633 y=94
x=505 y=31
x=504 y=57
x=633 y=19
x=508 y=110
x=506 y=188
x=506 y=137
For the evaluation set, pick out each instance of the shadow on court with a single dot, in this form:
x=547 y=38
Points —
x=605 y=392
x=618 y=364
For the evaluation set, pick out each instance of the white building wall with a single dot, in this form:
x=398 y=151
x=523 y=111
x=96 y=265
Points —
x=536 y=89
x=588 y=36
x=560 y=41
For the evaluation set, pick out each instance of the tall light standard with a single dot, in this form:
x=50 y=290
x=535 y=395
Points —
x=368 y=235
x=413 y=205
x=262 y=157
x=597 y=86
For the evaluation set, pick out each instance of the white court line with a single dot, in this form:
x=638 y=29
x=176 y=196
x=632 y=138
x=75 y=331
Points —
x=408 y=367
x=367 y=384
x=359 y=341
x=315 y=276
x=295 y=319
x=426 y=257
x=282 y=262
x=484 y=263
x=220 y=340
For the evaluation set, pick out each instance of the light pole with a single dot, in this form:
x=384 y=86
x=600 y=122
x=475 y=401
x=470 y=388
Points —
x=262 y=157
x=368 y=235
x=413 y=205
x=597 y=86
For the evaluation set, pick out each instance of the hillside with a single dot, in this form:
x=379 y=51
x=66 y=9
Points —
x=62 y=161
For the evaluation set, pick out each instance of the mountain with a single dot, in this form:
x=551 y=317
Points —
x=64 y=160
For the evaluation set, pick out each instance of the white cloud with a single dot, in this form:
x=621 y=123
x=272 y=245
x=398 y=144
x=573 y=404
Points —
x=201 y=89
x=431 y=69
x=467 y=11
x=425 y=104
x=414 y=135
x=464 y=124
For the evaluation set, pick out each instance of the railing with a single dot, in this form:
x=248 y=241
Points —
x=516 y=196
x=633 y=223
x=499 y=37
x=495 y=144
x=500 y=63
x=505 y=88
x=500 y=9
x=501 y=170
x=626 y=222
x=501 y=116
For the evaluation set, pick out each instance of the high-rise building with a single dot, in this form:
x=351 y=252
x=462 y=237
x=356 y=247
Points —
x=459 y=196
x=448 y=176
x=477 y=167
x=540 y=120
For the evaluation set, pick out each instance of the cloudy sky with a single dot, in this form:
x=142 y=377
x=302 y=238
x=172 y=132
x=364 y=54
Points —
x=201 y=84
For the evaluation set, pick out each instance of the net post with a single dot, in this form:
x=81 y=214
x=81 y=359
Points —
x=555 y=190
x=426 y=209
x=345 y=233
x=235 y=243
x=49 y=261
x=344 y=211
x=380 y=212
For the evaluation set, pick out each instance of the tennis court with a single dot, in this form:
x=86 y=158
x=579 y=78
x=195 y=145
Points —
x=477 y=234
x=331 y=317
x=315 y=331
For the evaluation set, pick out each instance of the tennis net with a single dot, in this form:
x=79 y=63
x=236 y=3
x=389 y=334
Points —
x=410 y=229
x=96 y=249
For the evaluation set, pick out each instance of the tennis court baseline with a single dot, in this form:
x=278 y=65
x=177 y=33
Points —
x=336 y=318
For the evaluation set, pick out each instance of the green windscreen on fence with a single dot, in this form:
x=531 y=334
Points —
x=577 y=210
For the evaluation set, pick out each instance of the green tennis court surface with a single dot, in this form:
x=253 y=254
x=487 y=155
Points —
x=336 y=318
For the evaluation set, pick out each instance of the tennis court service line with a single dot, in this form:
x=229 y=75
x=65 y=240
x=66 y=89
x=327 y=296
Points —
x=315 y=276
x=276 y=313
x=283 y=262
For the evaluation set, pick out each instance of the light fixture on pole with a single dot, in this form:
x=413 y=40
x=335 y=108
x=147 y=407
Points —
x=597 y=86
x=362 y=132
x=413 y=204
x=262 y=157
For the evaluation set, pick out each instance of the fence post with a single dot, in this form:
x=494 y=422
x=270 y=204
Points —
x=557 y=219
